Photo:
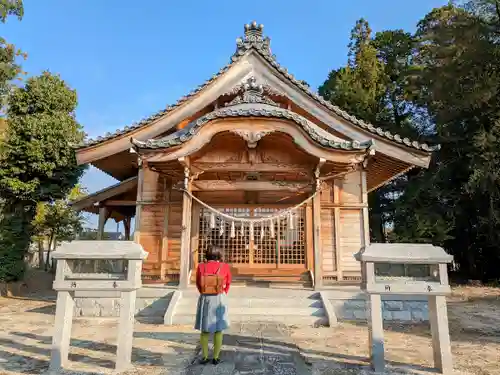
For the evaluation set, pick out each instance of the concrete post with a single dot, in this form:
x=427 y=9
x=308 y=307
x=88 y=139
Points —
x=62 y=330
x=438 y=316
x=125 y=331
x=376 y=333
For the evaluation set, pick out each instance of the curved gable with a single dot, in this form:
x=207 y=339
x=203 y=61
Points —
x=253 y=58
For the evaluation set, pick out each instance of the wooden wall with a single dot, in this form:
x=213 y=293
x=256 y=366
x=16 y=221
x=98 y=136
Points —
x=343 y=213
x=158 y=225
x=344 y=229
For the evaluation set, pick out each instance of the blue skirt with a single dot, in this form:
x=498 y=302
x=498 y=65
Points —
x=211 y=313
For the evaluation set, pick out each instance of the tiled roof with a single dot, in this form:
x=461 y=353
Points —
x=264 y=110
x=253 y=39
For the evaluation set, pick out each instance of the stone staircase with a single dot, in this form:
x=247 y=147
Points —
x=253 y=304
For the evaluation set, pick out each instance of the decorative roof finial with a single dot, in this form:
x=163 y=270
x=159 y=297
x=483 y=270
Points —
x=253 y=38
x=254 y=31
x=251 y=92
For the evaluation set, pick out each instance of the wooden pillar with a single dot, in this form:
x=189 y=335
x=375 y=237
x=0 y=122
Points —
x=316 y=201
x=167 y=197
x=186 y=230
x=195 y=234
x=336 y=229
x=138 y=206
x=126 y=226
x=309 y=236
x=318 y=269
x=366 y=219
x=103 y=217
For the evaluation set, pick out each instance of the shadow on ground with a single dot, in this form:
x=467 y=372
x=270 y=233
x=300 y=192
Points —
x=254 y=348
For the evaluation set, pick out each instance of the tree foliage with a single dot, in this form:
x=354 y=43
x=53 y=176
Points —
x=9 y=67
x=441 y=85
x=56 y=222
x=37 y=159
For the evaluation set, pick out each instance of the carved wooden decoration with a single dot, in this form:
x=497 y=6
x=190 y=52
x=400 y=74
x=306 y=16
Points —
x=251 y=137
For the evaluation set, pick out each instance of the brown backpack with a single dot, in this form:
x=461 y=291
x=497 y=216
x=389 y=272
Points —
x=211 y=283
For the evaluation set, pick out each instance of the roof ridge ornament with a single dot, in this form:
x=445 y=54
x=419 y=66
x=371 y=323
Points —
x=251 y=92
x=253 y=38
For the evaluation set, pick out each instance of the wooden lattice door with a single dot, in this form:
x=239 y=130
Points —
x=286 y=249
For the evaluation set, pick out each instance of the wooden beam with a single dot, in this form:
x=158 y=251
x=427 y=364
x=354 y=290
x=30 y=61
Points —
x=119 y=203
x=258 y=167
x=104 y=194
x=220 y=185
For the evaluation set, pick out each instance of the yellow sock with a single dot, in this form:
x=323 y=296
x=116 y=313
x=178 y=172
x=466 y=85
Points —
x=217 y=344
x=204 y=336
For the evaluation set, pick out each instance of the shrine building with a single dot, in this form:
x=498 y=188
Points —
x=252 y=161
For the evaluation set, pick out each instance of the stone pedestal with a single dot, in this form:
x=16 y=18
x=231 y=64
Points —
x=376 y=333
x=62 y=331
x=96 y=279
x=441 y=345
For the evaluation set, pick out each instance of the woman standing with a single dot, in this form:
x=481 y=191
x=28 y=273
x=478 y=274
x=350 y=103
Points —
x=213 y=279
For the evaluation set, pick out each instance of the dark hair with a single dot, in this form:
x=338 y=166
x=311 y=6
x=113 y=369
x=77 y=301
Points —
x=214 y=253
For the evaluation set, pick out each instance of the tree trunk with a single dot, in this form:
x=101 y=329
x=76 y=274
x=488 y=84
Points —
x=47 y=260
x=40 y=254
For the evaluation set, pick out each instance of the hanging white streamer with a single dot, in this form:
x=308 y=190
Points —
x=233 y=232
x=212 y=220
x=251 y=231
x=261 y=231
x=222 y=225
x=271 y=227
x=290 y=221
x=242 y=229
x=279 y=215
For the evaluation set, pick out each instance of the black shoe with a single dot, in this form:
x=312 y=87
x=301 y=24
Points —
x=216 y=361
x=204 y=361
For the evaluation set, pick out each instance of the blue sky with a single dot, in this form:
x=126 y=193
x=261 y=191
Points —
x=128 y=59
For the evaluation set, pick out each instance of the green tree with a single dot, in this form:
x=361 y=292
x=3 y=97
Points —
x=56 y=222
x=358 y=87
x=11 y=8
x=457 y=79
x=37 y=159
x=373 y=87
x=9 y=68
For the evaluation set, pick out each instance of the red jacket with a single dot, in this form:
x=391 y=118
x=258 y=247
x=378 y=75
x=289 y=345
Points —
x=210 y=267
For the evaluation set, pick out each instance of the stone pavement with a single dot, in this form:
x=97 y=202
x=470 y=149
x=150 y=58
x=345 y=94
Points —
x=256 y=348
x=249 y=348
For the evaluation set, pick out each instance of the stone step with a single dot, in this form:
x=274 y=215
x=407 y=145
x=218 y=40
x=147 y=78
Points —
x=298 y=311
x=234 y=302
x=297 y=320
x=289 y=306
x=253 y=292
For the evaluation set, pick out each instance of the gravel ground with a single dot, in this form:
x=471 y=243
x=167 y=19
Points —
x=253 y=348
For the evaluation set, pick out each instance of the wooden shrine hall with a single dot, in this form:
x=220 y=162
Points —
x=255 y=162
